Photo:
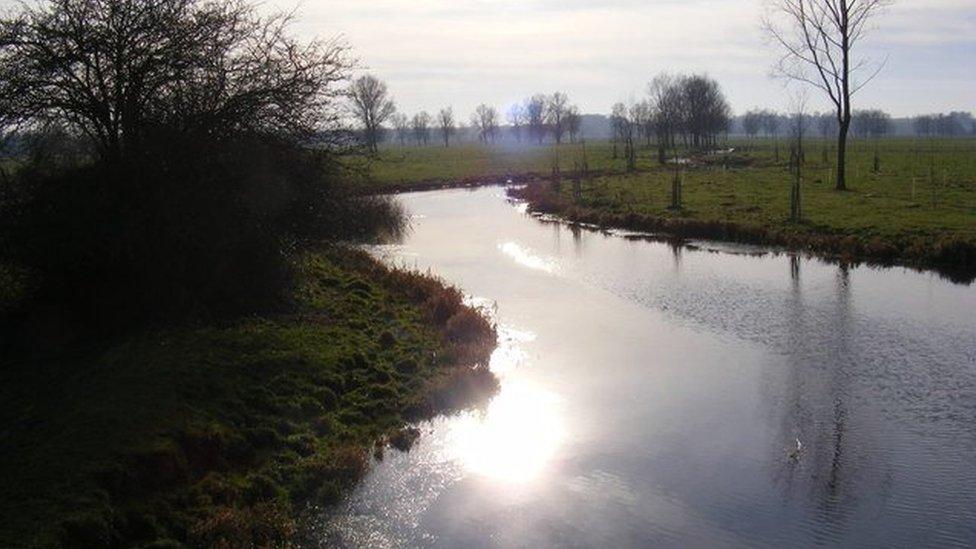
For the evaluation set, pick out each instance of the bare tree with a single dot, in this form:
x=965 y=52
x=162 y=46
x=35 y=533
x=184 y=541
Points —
x=535 y=116
x=516 y=119
x=556 y=109
x=667 y=105
x=116 y=71
x=574 y=121
x=818 y=39
x=485 y=121
x=644 y=118
x=826 y=125
x=401 y=124
x=445 y=123
x=372 y=107
x=421 y=127
x=771 y=122
x=752 y=123
x=798 y=133
x=625 y=130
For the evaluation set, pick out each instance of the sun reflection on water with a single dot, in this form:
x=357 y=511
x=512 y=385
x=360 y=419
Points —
x=515 y=438
x=523 y=256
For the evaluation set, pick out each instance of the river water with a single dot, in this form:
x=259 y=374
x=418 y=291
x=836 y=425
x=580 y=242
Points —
x=702 y=396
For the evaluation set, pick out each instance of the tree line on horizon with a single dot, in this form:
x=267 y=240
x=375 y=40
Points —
x=688 y=110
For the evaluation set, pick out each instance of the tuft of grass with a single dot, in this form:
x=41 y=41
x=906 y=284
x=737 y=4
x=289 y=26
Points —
x=211 y=435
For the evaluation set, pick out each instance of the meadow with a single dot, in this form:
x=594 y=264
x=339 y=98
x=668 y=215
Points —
x=923 y=193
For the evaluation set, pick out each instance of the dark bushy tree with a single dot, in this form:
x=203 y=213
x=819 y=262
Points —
x=210 y=133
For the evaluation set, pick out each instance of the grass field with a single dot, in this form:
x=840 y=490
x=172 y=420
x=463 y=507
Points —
x=211 y=435
x=923 y=193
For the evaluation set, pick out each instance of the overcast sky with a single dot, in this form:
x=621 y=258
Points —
x=435 y=53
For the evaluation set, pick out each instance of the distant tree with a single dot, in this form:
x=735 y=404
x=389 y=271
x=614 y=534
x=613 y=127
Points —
x=372 y=107
x=401 y=124
x=798 y=126
x=556 y=109
x=826 y=125
x=924 y=125
x=573 y=123
x=445 y=123
x=752 y=123
x=707 y=113
x=618 y=122
x=516 y=119
x=485 y=122
x=771 y=122
x=818 y=38
x=535 y=116
x=643 y=117
x=421 y=127
x=871 y=123
x=946 y=126
x=625 y=126
x=667 y=103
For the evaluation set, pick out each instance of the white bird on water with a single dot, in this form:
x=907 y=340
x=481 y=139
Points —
x=795 y=454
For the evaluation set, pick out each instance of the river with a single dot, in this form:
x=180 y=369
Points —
x=681 y=396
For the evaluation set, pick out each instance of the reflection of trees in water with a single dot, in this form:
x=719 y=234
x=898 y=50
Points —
x=577 y=239
x=677 y=249
x=836 y=467
x=557 y=237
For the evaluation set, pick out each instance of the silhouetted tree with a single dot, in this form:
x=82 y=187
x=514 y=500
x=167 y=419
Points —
x=485 y=122
x=707 y=113
x=117 y=70
x=199 y=188
x=667 y=105
x=818 y=39
x=798 y=128
x=556 y=110
x=752 y=123
x=573 y=123
x=626 y=129
x=445 y=123
x=872 y=123
x=372 y=107
x=516 y=119
x=421 y=127
x=535 y=115
x=401 y=124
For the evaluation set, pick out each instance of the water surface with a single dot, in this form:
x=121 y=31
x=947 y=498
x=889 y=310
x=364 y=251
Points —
x=655 y=395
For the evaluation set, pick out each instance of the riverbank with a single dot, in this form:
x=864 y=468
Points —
x=216 y=434
x=918 y=209
x=952 y=255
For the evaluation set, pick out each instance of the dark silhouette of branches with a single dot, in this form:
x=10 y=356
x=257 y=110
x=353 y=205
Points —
x=818 y=39
x=116 y=70
x=372 y=107
x=446 y=125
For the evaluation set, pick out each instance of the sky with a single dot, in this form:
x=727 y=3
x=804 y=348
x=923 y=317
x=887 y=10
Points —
x=436 y=53
x=460 y=53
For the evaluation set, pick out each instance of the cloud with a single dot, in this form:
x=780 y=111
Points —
x=464 y=52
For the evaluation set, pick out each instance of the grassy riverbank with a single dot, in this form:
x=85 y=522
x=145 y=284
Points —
x=919 y=208
x=215 y=434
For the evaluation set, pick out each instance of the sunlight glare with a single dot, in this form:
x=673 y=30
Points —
x=516 y=437
x=524 y=257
